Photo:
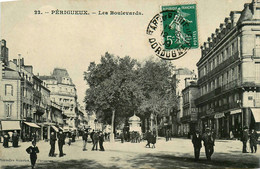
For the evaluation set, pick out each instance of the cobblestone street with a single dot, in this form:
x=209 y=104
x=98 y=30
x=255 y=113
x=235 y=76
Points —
x=177 y=153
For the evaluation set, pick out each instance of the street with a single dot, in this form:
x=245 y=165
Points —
x=177 y=153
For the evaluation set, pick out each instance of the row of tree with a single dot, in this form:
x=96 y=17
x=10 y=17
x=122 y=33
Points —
x=117 y=87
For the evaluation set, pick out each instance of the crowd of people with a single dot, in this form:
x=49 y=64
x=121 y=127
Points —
x=14 y=138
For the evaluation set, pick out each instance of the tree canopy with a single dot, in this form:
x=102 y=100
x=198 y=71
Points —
x=125 y=86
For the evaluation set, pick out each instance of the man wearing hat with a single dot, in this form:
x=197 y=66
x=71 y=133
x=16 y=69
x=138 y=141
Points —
x=208 y=143
x=244 y=139
x=196 y=141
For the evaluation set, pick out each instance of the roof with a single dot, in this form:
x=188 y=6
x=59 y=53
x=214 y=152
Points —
x=246 y=14
x=134 y=118
x=59 y=73
x=183 y=71
x=47 y=77
x=11 y=75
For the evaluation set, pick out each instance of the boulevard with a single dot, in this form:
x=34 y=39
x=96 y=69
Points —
x=176 y=153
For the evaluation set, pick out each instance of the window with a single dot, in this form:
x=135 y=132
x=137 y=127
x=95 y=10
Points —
x=257 y=41
x=8 y=109
x=257 y=71
x=8 y=90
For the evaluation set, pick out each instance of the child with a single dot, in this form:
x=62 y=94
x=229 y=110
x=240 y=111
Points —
x=33 y=150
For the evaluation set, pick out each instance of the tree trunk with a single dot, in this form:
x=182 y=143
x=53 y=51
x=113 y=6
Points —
x=112 y=136
x=156 y=126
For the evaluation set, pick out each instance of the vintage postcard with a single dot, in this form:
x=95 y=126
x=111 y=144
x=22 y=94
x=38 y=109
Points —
x=130 y=84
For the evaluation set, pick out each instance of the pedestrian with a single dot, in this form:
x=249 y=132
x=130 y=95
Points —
x=101 y=141
x=148 y=138
x=61 y=142
x=253 y=141
x=209 y=144
x=91 y=136
x=73 y=136
x=6 y=140
x=15 y=139
x=95 y=141
x=70 y=137
x=33 y=150
x=153 y=140
x=85 y=139
x=122 y=137
x=52 y=143
x=244 y=139
x=196 y=141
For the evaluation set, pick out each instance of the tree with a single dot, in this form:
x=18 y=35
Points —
x=113 y=90
x=158 y=88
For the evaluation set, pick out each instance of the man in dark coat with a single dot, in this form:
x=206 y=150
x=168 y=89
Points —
x=85 y=139
x=208 y=143
x=61 y=142
x=33 y=150
x=253 y=141
x=6 y=140
x=244 y=139
x=52 y=143
x=148 y=138
x=15 y=139
x=101 y=141
x=196 y=141
x=91 y=136
x=95 y=141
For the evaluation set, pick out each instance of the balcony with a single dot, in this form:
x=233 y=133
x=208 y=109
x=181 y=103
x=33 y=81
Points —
x=219 y=68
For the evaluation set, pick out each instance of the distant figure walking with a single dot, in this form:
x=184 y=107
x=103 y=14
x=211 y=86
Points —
x=15 y=139
x=153 y=140
x=61 y=142
x=95 y=141
x=208 y=143
x=6 y=140
x=33 y=150
x=196 y=141
x=253 y=141
x=52 y=143
x=91 y=136
x=244 y=139
x=85 y=140
x=101 y=141
x=148 y=138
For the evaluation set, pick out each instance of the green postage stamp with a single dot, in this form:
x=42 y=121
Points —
x=173 y=31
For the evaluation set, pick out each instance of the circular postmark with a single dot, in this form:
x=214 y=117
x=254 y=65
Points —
x=170 y=34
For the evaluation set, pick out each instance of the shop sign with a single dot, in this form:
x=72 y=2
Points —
x=219 y=115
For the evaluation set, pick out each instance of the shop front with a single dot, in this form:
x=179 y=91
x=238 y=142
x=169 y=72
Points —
x=9 y=126
x=235 y=122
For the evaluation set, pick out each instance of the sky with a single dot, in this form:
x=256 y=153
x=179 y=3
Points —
x=48 y=41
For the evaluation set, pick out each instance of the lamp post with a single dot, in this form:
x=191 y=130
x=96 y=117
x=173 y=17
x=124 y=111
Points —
x=95 y=121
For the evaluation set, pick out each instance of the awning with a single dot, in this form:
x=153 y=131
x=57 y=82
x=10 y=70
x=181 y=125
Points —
x=236 y=111
x=32 y=124
x=55 y=128
x=10 y=125
x=61 y=128
x=219 y=115
x=256 y=113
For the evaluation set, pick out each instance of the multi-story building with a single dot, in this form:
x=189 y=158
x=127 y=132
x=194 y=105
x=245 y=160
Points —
x=10 y=99
x=229 y=74
x=63 y=92
x=180 y=75
x=190 y=113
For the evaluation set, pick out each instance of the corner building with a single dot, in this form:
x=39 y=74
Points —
x=229 y=74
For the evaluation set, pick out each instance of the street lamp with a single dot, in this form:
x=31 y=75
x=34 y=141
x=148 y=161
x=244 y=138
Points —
x=95 y=121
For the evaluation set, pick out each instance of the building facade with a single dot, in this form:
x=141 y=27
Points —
x=190 y=113
x=63 y=92
x=180 y=75
x=229 y=74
